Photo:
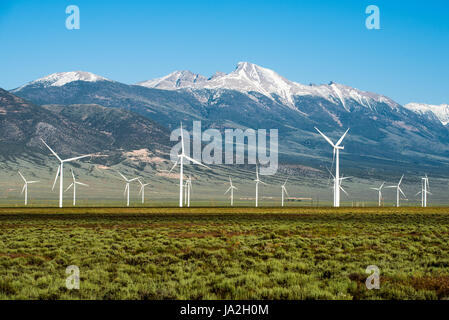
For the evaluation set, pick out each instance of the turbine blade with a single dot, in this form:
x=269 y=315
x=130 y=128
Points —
x=56 y=178
x=400 y=181
x=73 y=175
x=23 y=178
x=176 y=163
x=325 y=137
x=196 y=162
x=341 y=139
x=77 y=158
x=122 y=175
x=330 y=172
x=82 y=184
x=54 y=153
x=285 y=182
x=23 y=189
x=32 y=182
x=402 y=192
x=341 y=188
x=69 y=187
x=229 y=189
x=133 y=179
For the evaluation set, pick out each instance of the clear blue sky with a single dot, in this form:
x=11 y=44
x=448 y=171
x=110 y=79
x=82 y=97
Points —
x=305 y=41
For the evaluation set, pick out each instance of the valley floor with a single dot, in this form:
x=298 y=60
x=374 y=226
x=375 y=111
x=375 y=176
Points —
x=223 y=253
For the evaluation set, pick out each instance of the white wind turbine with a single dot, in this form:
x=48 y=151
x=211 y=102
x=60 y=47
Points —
x=257 y=185
x=284 y=191
x=188 y=189
x=336 y=156
x=398 y=190
x=231 y=189
x=339 y=183
x=424 y=191
x=379 y=190
x=142 y=189
x=60 y=171
x=73 y=185
x=25 y=187
x=126 y=192
x=181 y=157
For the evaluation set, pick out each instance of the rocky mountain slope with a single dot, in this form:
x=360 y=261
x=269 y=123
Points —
x=384 y=135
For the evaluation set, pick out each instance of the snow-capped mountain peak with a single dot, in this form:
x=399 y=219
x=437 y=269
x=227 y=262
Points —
x=441 y=112
x=248 y=77
x=174 y=80
x=62 y=78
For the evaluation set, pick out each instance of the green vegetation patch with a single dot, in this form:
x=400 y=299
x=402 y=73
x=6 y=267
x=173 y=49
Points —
x=223 y=253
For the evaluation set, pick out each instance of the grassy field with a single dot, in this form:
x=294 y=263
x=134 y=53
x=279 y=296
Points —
x=222 y=253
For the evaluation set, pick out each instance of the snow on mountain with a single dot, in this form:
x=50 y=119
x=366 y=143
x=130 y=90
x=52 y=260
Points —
x=175 y=80
x=249 y=77
x=441 y=112
x=61 y=78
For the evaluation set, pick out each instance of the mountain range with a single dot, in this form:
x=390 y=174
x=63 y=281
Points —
x=385 y=137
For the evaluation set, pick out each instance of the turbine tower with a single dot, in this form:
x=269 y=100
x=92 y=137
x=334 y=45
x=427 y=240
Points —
x=73 y=185
x=257 y=185
x=60 y=171
x=398 y=191
x=142 y=189
x=231 y=189
x=379 y=190
x=126 y=192
x=339 y=183
x=424 y=191
x=336 y=155
x=25 y=187
x=284 y=191
x=188 y=189
x=181 y=157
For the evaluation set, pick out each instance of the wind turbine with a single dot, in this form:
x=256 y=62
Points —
x=231 y=189
x=257 y=185
x=336 y=156
x=126 y=192
x=398 y=190
x=188 y=189
x=339 y=183
x=25 y=187
x=284 y=190
x=180 y=159
x=73 y=184
x=424 y=191
x=380 y=192
x=60 y=171
x=142 y=189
